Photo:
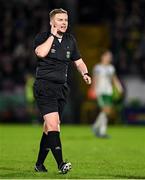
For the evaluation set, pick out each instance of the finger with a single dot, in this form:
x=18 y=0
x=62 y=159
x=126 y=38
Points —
x=89 y=80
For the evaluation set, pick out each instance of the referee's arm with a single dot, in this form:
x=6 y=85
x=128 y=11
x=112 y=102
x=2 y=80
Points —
x=82 y=68
x=43 y=49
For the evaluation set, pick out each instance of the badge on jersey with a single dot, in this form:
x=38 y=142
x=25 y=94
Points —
x=67 y=54
x=53 y=50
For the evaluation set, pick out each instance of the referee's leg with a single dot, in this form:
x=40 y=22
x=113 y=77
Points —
x=52 y=129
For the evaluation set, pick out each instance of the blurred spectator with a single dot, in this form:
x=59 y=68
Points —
x=127 y=29
x=140 y=56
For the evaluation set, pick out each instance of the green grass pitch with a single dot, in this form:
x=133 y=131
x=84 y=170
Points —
x=121 y=156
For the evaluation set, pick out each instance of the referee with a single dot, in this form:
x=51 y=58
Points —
x=54 y=50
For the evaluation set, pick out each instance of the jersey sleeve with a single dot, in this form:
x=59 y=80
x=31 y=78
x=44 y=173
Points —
x=39 y=39
x=112 y=69
x=95 y=70
x=75 y=52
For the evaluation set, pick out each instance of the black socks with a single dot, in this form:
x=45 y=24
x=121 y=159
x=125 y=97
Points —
x=55 y=146
x=50 y=141
x=43 y=151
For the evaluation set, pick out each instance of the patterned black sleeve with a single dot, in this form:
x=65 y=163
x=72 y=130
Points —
x=39 y=39
x=75 y=53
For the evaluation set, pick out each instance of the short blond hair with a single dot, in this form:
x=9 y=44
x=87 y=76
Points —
x=57 y=11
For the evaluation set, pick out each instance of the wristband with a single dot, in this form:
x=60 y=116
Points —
x=86 y=74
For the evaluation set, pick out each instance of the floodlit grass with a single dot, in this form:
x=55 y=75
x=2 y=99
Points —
x=121 y=156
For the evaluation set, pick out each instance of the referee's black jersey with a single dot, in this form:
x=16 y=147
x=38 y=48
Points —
x=55 y=65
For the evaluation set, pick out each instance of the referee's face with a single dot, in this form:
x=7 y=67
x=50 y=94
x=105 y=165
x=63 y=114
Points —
x=60 y=21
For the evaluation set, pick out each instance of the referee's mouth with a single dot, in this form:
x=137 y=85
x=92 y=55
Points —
x=63 y=27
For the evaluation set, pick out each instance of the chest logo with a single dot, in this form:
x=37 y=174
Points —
x=67 y=54
x=53 y=50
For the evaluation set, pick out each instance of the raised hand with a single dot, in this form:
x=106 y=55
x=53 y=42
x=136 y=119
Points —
x=54 y=30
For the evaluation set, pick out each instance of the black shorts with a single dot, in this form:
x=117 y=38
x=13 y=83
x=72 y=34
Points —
x=50 y=96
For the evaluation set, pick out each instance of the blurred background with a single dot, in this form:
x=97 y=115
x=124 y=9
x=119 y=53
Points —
x=106 y=24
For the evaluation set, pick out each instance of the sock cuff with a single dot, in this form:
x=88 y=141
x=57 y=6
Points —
x=103 y=114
